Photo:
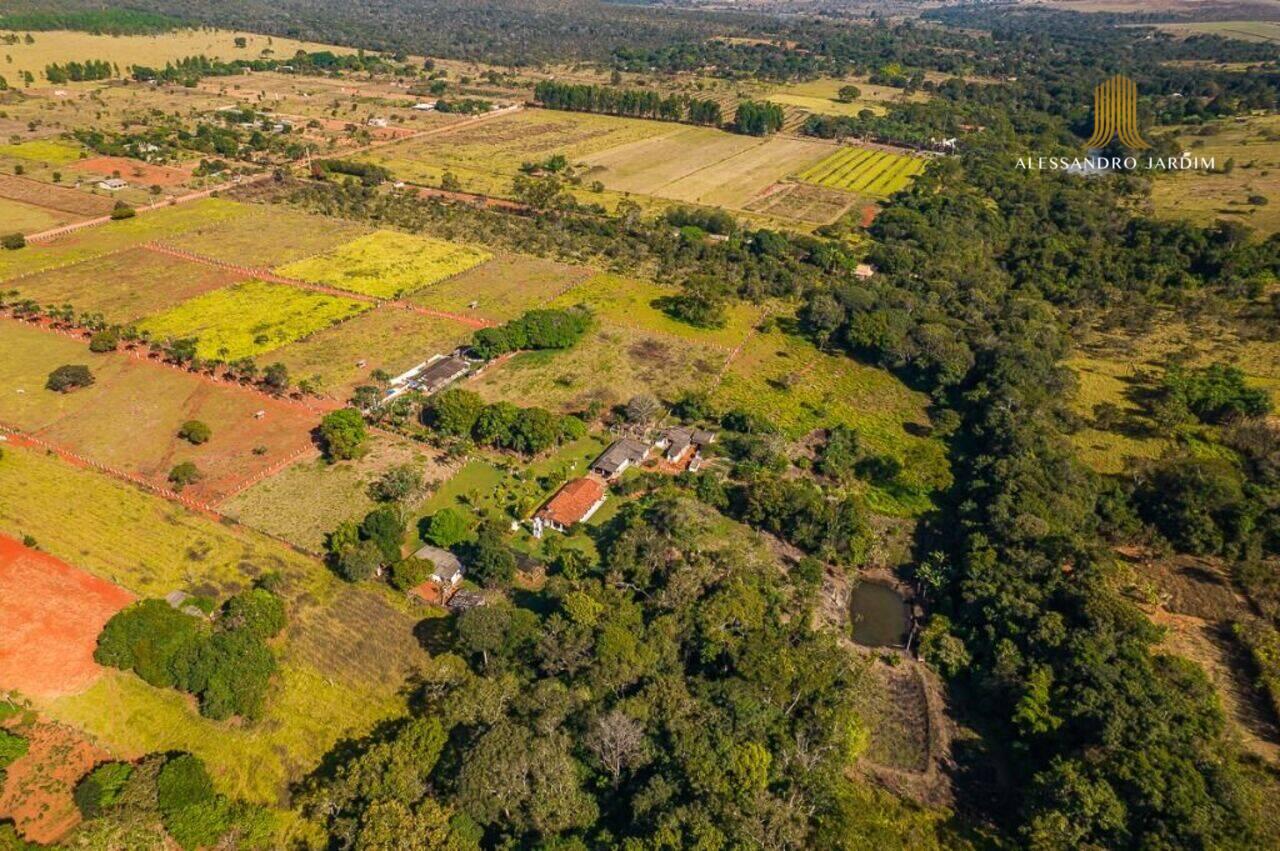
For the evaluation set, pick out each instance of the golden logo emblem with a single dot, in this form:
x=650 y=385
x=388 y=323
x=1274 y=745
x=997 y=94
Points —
x=1115 y=114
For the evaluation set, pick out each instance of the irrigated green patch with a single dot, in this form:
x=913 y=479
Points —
x=43 y=151
x=248 y=319
x=387 y=264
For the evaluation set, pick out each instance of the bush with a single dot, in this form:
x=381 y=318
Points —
x=257 y=611
x=385 y=528
x=343 y=433
x=359 y=562
x=195 y=432
x=12 y=746
x=13 y=241
x=410 y=573
x=105 y=341
x=230 y=673
x=536 y=329
x=146 y=638
x=185 y=473
x=192 y=813
x=102 y=787
x=122 y=211
x=447 y=528
x=68 y=377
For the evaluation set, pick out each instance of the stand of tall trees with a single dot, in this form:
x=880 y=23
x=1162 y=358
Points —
x=637 y=103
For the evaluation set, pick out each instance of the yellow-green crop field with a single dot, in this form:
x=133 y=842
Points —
x=43 y=151
x=387 y=264
x=248 y=319
x=872 y=172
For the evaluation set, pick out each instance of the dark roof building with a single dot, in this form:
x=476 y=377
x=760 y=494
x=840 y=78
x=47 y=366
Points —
x=619 y=456
x=440 y=373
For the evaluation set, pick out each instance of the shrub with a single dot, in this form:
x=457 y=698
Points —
x=102 y=787
x=192 y=813
x=257 y=611
x=185 y=473
x=410 y=573
x=13 y=241
x=230 y=672
x=385 y=528
x=195 y=432
x=12 y=746
x=536 y=329
x=343 y=433
x=359 y=562
x=122 y=211
x=146 y=638
x=105 y=341
x=68 y=377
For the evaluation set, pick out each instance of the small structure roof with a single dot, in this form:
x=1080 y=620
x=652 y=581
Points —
x=619 y=454
x=447 y=564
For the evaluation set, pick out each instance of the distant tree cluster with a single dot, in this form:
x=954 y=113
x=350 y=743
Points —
x=226 y=664
x=758 y=118
x=502 y=425
x=537 y=329
x=368 y=173
x=637 y=103
x=77 y=72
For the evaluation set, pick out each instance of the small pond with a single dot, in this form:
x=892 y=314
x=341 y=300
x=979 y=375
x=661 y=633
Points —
x=880 y=616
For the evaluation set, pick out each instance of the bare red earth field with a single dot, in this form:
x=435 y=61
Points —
x=50 y=617
x=134 y=171
x=38 y=787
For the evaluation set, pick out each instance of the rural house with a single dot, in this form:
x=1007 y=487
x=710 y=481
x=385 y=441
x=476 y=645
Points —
x=112 y=184
x=682 y=442
x=445 y=577
x=620 y=455
x=430 y=376
x=573 y=503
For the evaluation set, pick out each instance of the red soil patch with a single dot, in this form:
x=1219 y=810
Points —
x=50 y=621
x=37 y=793
x=134 y=171
x=869 y=213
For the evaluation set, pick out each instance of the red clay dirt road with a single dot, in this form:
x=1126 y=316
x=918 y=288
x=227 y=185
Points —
x=50 y=617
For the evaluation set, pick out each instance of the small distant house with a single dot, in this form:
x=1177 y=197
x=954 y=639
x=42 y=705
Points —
x=112 y=184
x=377 y=122
x=620 y=455
x=573 y=503
x=680 y=443
x=445 y=577
x=425 y=106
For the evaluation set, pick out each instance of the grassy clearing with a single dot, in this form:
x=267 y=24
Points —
x=804 y=202
x=124 y=286
x=130 y=416
x=820 y=96
x=387 y=264
x=1242 y=30
x=93 y=242
x=248 y=319
x=1253 y=144
x=47 y=151
x=631 y=302
x=389 y=338
x=268 y=236
x=873 y=172
x=503 y=288
x=612 y=364
x=798 y=388
x=306 y=501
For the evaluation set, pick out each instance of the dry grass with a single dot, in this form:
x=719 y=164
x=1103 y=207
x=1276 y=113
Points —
x=504 y=287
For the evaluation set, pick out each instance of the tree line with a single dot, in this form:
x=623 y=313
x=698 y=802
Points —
x=637 y=103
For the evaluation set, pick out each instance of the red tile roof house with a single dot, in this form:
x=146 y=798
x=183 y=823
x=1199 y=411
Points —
x=573 y=503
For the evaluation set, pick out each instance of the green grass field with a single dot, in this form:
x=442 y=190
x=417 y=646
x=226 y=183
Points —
x=247 y=319
x=503 y=288
x=17 y=217
x=631 y=302
x=48 y=151
x=872 y=172
x=123 y=286
x=387 y=264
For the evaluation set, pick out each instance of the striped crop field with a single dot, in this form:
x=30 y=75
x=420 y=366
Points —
x=865 y=170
